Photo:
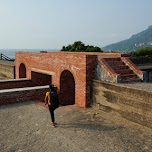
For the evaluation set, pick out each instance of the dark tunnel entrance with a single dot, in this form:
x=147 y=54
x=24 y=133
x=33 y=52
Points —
x=40 y=79
x=67 y=88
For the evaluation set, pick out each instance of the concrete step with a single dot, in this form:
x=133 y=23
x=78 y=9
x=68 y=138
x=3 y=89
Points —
x=124 y=71
x=115 y=63
x=128 y=80
x=112 y=59
x=125 y=76
x=120 y=67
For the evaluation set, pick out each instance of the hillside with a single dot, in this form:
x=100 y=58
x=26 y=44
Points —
x=142 y=39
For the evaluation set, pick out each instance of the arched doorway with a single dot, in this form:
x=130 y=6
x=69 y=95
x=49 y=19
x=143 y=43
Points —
x=67 y=88
x=22 y=71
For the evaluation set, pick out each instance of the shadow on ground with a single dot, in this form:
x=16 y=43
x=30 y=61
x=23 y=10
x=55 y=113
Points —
x=91 y=126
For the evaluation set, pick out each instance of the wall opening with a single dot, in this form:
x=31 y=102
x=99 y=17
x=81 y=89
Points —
x=22 y=71
x=40 y=79
x=67 y=88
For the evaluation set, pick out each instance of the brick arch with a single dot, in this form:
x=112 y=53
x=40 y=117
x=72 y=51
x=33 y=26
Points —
x=22 y=71
x=67 y=88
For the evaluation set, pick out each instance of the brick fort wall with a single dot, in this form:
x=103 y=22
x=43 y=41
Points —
x=77 y=68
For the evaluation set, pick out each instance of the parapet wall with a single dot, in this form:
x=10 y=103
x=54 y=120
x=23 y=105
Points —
x=130 y=103
x=15 y=83
x=23 y=94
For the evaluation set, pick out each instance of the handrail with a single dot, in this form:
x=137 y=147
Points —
x=132 y=65
x=4 y=57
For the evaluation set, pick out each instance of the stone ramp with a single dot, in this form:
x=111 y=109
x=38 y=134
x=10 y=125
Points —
x=26 y=127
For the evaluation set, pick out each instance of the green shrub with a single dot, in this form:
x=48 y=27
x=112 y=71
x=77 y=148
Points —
x=147 y=51
x=78 y=46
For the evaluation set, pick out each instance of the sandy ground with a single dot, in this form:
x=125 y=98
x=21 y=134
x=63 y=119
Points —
x=25 y=127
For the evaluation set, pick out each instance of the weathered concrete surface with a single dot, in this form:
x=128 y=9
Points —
x=6 y=69
x=127 y=101
x=25 y=127
x=2 y=77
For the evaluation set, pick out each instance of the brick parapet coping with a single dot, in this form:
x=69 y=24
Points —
x=24 y=89
x=108 y=68
x=133 y=66
x=23 y=94
x=14 y=80
x=83 y=53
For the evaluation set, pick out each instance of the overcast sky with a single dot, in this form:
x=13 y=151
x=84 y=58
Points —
x=51 y=24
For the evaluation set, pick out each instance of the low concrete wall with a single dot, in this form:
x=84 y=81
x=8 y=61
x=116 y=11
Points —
x=148 y=75
x=129 y=103
x=7 y=69
x=22 y=94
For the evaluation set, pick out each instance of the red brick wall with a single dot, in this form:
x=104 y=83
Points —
x=22 y=95
x=40 y=79
x=77 y=64
x=15 y=84
x=90 y=73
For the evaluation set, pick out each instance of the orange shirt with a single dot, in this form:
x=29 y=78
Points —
x=47 y=96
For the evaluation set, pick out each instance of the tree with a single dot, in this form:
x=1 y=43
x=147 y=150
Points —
x=147 y=51
x=79 y=46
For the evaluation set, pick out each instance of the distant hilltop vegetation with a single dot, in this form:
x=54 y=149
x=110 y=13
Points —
x=139 y=40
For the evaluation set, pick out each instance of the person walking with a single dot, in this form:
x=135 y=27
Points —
x=52 y=100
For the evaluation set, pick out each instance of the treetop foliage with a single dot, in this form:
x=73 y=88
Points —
x=147 y=51
x=79 y=46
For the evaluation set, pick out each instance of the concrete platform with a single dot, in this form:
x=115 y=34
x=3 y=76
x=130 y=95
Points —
x=25 y=127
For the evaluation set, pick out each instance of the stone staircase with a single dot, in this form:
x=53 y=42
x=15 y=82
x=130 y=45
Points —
x=126 y=74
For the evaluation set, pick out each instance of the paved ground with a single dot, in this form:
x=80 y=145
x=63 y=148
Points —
x=25 y=127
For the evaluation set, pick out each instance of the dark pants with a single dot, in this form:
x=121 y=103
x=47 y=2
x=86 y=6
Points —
x=51 y=109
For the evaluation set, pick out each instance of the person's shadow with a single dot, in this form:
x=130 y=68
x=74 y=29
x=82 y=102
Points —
x=91 y=126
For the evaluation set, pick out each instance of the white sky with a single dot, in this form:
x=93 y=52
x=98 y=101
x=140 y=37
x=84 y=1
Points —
x=51 y=24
